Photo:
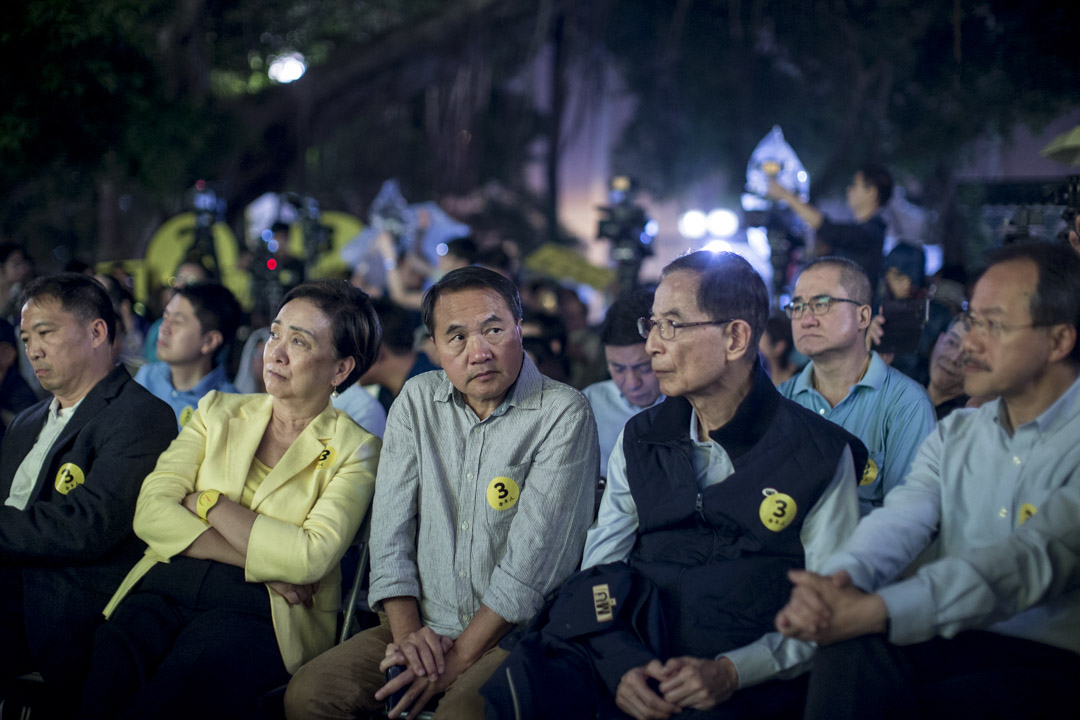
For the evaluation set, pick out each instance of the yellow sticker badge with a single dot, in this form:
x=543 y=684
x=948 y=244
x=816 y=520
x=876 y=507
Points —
x=69 y=477
x=869 y=473
x=777 y=510
x=1027 y=510
x=326 y=458
x=502 y=493
x=186 y=414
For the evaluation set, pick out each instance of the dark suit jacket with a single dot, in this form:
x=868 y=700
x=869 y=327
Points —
x=74 y=548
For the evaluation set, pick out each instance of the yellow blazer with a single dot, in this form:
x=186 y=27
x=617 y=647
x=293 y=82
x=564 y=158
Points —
x=310 y=506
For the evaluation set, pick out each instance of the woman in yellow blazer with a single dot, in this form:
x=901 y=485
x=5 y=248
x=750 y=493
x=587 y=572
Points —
x=246 y=516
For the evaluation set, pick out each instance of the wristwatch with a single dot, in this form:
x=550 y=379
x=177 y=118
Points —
x=207 y=500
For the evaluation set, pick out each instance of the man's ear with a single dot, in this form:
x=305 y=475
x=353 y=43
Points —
x=866 y=314
x=211 y=342
x=99 y=332
x=1062 y=341
x=738 y=343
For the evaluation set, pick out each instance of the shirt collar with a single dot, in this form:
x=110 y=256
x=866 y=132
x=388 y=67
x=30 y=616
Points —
x=875 y=372
x=210 y=381
x=58 y=413
x=872 y=378
x=525 y=393
x=745 y=428
x=1052 y=418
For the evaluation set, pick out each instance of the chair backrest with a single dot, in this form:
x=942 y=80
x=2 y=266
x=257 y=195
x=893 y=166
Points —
x=355 y=602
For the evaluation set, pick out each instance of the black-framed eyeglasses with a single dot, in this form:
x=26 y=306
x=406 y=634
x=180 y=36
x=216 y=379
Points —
x=993 y=328
x=667 y=328
x=818 y=306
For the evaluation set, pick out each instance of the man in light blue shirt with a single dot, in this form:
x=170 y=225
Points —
x=992 y=626
x=633 y=386
x=850 y=385
x=197 y=327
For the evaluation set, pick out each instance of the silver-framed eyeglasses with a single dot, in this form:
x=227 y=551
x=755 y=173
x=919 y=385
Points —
x=993 y=328
x=818 y=306
x=667 y=328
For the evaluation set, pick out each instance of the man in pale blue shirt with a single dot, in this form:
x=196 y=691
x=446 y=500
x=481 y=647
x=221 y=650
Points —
x=633 y=386
x=712 y=497
x=850 y=385
x=991 y=628
x=197 y=327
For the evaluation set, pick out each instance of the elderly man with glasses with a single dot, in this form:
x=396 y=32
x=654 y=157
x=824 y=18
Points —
x=713 y=496
x=850 y=385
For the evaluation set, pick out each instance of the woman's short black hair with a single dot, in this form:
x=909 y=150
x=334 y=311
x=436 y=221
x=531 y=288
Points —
x=469 y=278
x=78 y=294
x=356 y=328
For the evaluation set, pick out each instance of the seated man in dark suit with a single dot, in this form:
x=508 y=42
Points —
x=70 y=470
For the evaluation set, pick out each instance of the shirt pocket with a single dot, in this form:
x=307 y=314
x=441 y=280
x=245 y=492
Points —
x=502 y=494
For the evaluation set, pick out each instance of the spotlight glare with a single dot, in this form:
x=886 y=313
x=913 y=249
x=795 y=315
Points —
x=722 y=223
x=651 y=228
x=692 y=224
x=441 y=249
x=287 y=68
x=716 y=246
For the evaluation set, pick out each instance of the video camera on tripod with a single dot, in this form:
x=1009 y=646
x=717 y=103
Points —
x=623 y=223
x=209 y=209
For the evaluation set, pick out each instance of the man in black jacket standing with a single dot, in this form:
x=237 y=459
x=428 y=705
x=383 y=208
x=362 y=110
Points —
x=70 y=470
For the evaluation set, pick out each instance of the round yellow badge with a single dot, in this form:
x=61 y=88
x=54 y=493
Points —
x=1026 y=511
x=502 y=493
x=869 y=473
x=327 y=457
x=68 y=477
x=186 y=414
x=777 y=510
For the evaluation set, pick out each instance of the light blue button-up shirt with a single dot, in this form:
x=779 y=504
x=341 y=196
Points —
x=1006 y=510
x=157 y=378
x=887 y=410
x=362 y=407
x=611 y=410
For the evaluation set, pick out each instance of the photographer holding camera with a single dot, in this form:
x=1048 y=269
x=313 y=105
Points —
x=861 y=241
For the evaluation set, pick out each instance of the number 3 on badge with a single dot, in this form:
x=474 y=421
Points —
x=502 y=493
x=69 y=477
x=777 y=510
x=326 y=458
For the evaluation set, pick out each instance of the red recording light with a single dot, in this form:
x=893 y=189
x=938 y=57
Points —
x=271 y=264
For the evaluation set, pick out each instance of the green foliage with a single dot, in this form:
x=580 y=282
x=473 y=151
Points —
x=898 y=81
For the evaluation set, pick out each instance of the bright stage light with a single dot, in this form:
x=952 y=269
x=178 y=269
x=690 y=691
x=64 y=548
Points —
x=692 y=224
x=722 y=223
x=717 y=246
x=287 y=68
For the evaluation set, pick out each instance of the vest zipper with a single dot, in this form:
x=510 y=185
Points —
x=699 y=507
